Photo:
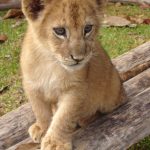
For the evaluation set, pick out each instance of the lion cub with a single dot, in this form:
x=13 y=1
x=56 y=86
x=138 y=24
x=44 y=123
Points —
x=67 y=76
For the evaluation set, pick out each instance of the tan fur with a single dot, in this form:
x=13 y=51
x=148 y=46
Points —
x=63 y=96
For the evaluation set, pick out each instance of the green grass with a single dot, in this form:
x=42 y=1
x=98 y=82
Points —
x=115 y=40
x=127 y=10
x=142 y=145
x=9 y=66
x=120 y=40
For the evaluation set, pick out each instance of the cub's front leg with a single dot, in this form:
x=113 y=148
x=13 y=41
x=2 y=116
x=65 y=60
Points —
x=42 y=112
x=71 y=109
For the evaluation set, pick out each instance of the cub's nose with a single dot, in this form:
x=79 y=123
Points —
x=77 y=58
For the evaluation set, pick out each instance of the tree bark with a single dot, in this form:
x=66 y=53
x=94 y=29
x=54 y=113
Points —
x=112 y=128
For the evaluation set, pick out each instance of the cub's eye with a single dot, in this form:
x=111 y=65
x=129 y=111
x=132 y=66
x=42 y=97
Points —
x=60 y=31
x=88 y=29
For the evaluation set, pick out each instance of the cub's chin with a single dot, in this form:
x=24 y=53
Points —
x=74 y=67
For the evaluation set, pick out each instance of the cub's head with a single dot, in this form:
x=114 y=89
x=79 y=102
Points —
x=65 y=28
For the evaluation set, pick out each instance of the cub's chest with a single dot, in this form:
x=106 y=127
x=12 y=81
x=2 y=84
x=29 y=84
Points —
x=52 y=86
x=49 y=80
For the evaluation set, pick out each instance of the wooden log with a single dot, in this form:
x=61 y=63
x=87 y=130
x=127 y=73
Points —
x=20 y=145
x=133 y=62
x=14 y=125
x=123 y=127
x=122 y=123
x=12 y=4
x=138 y=84
x=131 y=1
x=119 y=130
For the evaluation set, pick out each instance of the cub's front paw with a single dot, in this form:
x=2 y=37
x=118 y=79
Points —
x=48 y=143
x=36 y=133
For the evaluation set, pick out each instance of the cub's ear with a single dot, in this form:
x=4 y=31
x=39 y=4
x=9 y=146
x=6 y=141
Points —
x=32 y=8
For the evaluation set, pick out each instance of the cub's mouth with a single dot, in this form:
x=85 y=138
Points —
x=75 y=64
x=72 y=67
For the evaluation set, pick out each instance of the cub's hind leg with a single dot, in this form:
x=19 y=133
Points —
x=112 y=103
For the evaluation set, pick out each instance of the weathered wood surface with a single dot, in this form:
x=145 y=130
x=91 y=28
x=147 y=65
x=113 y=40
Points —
x=17 y=3
x=119 y=130
x=131 y=1
x=12 y=4
x=138 y=84
x=14 y=125
x=125 y=126
x=132 y=63
x=26 y=144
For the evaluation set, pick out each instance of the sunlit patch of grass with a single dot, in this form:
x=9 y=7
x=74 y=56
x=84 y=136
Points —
x=127 y=10
x=9 y=64
x=116 y=40
x=142 y=145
